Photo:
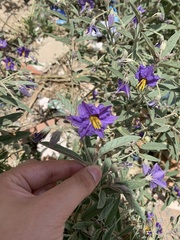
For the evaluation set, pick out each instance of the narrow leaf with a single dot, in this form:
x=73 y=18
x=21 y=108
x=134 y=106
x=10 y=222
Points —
x=171 y=43
x=150 y=45
x=118 y=142
x=116 y=72
x=7 y=139
x=154 y=146
x=102 y=199
x=170 y=64
x=9 y=119
x=64 y=151
x=63 y=40
x=149 y=158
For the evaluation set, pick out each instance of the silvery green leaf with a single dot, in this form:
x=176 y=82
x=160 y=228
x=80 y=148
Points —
x=113 y=212
x=116 y=72
x=82 y=225
x=171 y=43
x=66 y=104
x=102 y=199
x=154 y=146
x=149 y=157
x=164 y=128
x=108 y=233
x=9 y=138
x=135 y=184
x=15 y=102
x=169 y=64
x=10 y=118
x=64 y=151
x=118 y=142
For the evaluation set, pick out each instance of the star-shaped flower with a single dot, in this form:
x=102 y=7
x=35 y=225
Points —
x=149 y=216
x=3 y=43
x=155 y=176
x=92 y=120
x=22 y=51
x=145 y=76
x=9 y=63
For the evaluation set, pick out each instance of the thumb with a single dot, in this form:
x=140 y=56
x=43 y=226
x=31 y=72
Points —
x=65 y=197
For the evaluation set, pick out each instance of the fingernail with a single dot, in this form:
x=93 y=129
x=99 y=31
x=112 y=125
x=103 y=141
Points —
x=95 y=172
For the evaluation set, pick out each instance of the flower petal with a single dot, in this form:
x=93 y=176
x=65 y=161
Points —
x=146 y=169
x=160 y=183
x=75 y=120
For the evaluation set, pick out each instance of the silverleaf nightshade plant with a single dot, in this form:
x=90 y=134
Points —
x=146 y=77
x=92 y=120
x=155 y=176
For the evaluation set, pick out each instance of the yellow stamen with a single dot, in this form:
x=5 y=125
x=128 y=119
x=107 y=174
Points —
x=141 y=85
x=95 y=122
x=9 y=64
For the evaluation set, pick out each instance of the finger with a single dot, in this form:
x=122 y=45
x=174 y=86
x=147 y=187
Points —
x=37 y=174
x=44 y=189
x=70 y=192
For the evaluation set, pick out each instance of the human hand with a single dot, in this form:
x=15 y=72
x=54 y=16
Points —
x=33 y=207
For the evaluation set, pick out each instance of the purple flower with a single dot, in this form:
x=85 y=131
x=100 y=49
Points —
x=24 y=89
x=158 y=228
x=110 y=20
x=141 y=11
x=149 y=216
x=137 y=123
x=3 y=43
x=82 y=4
x=154 y=175
x=177 y=190
x=124 y=87
x=158 y=45
x=145 y=76
x=37 y=137
x=154 y=104
x=22 y=51
x=92 y=120
x=93 y=31
x=9 y=63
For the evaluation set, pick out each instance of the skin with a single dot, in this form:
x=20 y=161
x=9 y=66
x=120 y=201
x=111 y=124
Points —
x=33 y=206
